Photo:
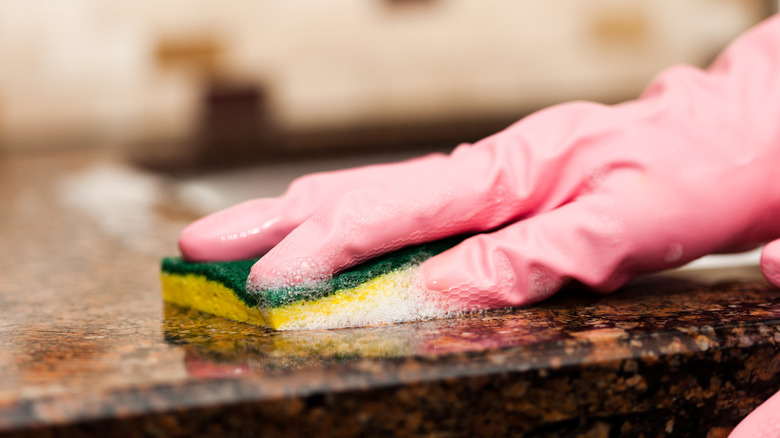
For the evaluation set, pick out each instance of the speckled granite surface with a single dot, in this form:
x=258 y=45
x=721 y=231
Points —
x=87 y=348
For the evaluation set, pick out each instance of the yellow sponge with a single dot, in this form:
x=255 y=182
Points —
x=380 y=291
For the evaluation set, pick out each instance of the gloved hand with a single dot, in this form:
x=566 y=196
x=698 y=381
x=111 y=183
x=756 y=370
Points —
x=579 y=191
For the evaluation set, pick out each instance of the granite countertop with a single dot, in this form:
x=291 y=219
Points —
x=87 y=347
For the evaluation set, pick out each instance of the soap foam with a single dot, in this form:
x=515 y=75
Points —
x=300 y=272
x=397 y=296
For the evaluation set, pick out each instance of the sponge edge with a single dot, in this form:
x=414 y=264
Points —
x=201 y=293
x=382 y=291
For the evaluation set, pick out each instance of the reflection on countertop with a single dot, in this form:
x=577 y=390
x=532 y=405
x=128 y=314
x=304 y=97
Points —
x=87 y=347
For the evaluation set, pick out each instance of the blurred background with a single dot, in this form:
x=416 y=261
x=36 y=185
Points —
x=192 y=86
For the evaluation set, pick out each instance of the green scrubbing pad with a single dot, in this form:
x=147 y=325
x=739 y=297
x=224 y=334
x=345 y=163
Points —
x=377 y=291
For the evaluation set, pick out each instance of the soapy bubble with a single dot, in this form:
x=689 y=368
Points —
x=542 y=283
x=290 y=281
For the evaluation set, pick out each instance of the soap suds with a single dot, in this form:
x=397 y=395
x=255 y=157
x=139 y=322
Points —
x=391 y=298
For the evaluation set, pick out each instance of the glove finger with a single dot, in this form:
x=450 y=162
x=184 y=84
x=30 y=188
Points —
x=360 y=225
x=530 y=260
x=770 y=262
x=250 y=229
x=245 y=230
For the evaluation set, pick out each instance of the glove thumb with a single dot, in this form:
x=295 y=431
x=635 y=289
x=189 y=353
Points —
x=770 y=262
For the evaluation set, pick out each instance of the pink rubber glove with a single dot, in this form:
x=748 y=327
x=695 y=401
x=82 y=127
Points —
x=764 y=422
x=579 y=191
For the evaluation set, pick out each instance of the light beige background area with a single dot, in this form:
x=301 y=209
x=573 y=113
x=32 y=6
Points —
x=88 y=73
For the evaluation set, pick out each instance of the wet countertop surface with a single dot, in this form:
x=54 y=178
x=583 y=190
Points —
x=87 y=347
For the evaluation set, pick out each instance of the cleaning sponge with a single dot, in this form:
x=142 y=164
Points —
x=379 y=291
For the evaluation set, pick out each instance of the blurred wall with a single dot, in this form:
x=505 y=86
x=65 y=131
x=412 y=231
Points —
x=154 y=79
